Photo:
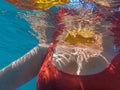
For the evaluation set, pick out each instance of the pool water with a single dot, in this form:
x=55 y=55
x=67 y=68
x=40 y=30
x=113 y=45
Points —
x=15 y=39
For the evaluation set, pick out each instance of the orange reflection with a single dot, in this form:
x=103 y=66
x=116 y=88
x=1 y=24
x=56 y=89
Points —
x=83 y=36
x=37 y=4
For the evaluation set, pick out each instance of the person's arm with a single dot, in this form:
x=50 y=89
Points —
x=23 y=69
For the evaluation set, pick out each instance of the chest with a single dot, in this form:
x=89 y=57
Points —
x=74 y=61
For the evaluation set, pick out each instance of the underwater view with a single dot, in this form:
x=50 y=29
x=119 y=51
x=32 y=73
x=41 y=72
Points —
x=15 y=38
x=51 y=44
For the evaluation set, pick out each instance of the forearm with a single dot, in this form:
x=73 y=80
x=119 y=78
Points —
x=23 y=69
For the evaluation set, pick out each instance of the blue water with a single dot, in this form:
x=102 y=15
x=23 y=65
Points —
x=15 y=40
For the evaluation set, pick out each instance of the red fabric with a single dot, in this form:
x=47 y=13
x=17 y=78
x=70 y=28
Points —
x=115 y=21
x=50 y=78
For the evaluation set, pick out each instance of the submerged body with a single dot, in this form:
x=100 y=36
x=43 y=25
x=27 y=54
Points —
x=52 y=78
x=85 y=72
x=96 y=74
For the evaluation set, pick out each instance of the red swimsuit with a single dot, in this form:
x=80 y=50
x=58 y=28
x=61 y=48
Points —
x=50 y=78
